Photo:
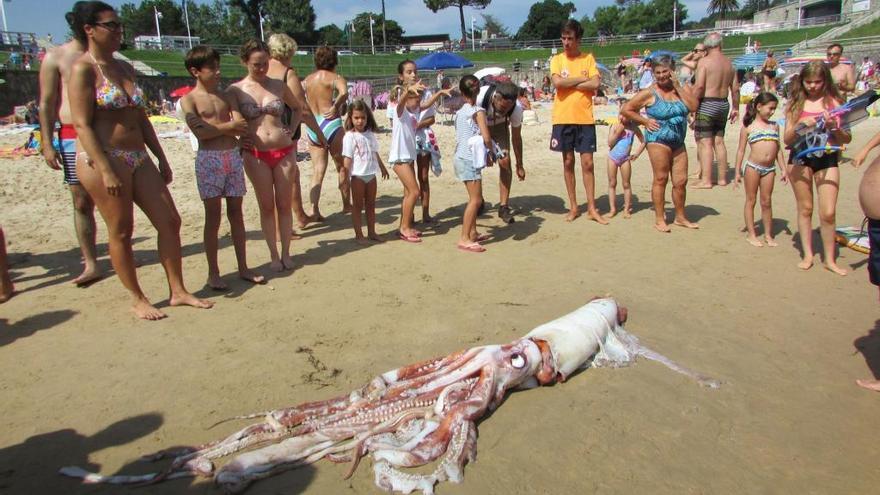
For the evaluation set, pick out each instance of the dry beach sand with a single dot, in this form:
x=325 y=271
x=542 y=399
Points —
x=85 y=383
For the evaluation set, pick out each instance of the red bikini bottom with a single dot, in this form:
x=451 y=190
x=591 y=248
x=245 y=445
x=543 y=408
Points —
x=271 y=157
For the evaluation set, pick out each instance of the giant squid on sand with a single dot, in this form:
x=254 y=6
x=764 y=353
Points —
x=414 y=415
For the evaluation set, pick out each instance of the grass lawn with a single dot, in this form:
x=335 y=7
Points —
x=385 y=65
x=870 y=29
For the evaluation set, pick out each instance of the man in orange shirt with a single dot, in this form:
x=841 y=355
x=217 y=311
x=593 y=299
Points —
x=576 y=79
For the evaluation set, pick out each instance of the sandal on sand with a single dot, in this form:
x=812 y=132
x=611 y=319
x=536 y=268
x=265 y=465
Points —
x=408 y=238
x=482 y=238
x=472 y=247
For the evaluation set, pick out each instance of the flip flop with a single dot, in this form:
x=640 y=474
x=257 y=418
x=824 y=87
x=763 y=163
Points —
x=483 y=238
x=408 y=238
x=472 y=248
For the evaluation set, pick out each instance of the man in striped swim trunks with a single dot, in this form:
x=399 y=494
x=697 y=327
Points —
x=716 y=83
x=61 y=154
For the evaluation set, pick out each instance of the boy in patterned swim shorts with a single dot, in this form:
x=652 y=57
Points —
x=219 y=166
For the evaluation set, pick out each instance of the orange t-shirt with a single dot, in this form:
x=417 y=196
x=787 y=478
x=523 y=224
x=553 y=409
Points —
x=570 y=105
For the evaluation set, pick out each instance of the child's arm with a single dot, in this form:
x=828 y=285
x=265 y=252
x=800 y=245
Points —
x=641 y=149
x=480 y=118
x=740 y=154
x=382 y=166
x=430 y=101
x=862 y=155
x=614 y=134
x=204 y=130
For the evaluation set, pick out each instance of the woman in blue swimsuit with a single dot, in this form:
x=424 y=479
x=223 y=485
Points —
x=667 y=106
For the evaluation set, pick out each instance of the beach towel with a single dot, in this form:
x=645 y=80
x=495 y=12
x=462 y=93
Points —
x=426 y=142
x=853 y=238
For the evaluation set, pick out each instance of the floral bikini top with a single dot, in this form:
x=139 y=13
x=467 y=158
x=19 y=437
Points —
x=111 y=96
x=251 y=111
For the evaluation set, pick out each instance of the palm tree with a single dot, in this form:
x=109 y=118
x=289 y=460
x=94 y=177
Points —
x=722 y=7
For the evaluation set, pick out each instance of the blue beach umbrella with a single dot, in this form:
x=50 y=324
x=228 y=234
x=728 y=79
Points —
x=750 y=61
x=442 y=60
x=659 y=53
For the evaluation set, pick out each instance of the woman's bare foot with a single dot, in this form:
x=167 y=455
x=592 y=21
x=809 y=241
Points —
x=869 y=384
x=754 y=241
x=611 y=214
x=572 y=214
x=684 y=222
x=428 y=219
x=832 y=267
x=294 y=236
x=596 y=217
x=722 y=183
x=662 y=227
x=701 y=185
x=362 y=240
x=806 y=263
x=251 y=276
x=146 y=311
x=287 y=262
x=88 y=277
x=770 y=241
x=276 y=266
x=216 y=283
x=375 y=237
x=187 y=299
x=627 y=212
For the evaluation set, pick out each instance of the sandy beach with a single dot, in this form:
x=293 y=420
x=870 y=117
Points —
x=85 y=383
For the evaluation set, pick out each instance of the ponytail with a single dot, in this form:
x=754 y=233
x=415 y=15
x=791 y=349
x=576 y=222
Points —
x=762 y=98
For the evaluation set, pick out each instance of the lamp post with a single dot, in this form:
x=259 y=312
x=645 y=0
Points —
x=384 y=39
x=372 y=45
x=473 y=42
x=800 y=5
x=157 y=15
x=674 y=18
x=3 y=12
x=186 y=17
x=262 y=33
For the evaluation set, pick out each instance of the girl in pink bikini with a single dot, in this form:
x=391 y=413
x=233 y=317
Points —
x=814 y=94
x=270 y=163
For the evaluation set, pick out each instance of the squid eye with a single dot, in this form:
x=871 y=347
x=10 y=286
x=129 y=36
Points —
x=517 y=360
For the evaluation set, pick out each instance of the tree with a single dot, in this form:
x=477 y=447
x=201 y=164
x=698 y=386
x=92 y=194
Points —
x=361 y=35
x=295 y=18
x=141 y=20
x=436 y=5
x=544 y=20
x=722 y=7
x=494 y=27
x=607 y=19
x=330 y=35
x=217 y=24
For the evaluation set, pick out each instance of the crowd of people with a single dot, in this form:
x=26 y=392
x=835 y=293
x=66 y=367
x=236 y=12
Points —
x=251 y=129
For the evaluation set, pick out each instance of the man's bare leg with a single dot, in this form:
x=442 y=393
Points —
x=568 y=176
x=84 y=224
x=6 y=288
x=721 y=157
x=589 y=179
x=706 y=154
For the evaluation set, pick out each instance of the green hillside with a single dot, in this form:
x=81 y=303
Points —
x=363 y=65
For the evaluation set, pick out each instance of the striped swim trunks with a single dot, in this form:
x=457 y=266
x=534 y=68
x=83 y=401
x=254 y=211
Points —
x=65 y=144
x=711 y=117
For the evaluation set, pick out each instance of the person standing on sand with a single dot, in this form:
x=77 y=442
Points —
x=108 y=109
x=6 y=288
x=844 y=75
x=869 y=199
x=716 y=83
x=54 y=107
x=327 y=94
x=688 y=69
x=576 y=79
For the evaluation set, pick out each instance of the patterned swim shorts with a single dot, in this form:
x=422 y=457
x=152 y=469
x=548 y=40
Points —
x=220 y=173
